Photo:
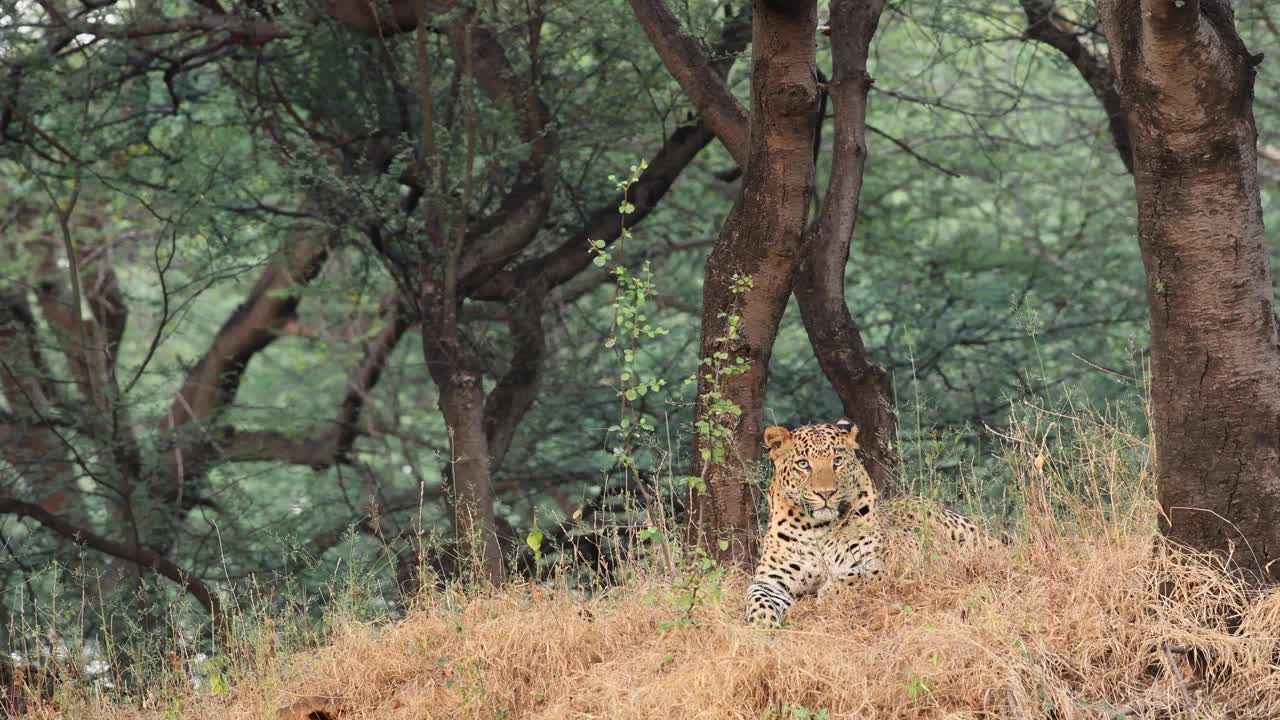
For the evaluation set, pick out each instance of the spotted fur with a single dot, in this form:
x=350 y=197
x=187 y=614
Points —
x=824 y=524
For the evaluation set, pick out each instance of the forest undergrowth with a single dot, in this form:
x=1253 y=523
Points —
x=1085 y=613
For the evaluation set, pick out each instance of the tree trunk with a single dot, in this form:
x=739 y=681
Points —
x=1186 y=88
x=459 y=378
x=864 y=388
x=759 y=239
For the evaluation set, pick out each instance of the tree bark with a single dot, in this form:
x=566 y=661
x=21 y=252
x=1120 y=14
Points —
x=31 y=445
x=759 y=239
x=865 y=388
x=1186 y=89
x=459 y=377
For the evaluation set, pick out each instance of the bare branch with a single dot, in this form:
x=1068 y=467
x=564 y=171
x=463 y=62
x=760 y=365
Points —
x=1045 y=25
x=254 y=325
x=679 y=150
x=138 y=555
x=322 y=448
x=684 y=58
x=515 y=392
x=365 y=376
x=570 y=258
x=494 y=240
x=317 y=452
x=108 y=307
x=257 y=30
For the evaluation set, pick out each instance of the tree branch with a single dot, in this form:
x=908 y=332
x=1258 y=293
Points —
x=317 y=452
x=568 y=259
x=516 y=391
x=254 y=325
x=323 y=448
x=365 y=376
x=700 y=79
x=257 y=30
x=30 y=443
x=494 y=240
x=1044 y=25
x=137 y=555
x=864 y=387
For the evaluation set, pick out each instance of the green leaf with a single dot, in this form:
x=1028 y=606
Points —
x=534 y=539
x=218 y=685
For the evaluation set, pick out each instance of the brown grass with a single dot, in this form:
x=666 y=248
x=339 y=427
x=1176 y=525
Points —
x=1086 y=614
x=1000 y=635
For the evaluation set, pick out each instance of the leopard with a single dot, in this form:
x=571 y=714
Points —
x=826 y=529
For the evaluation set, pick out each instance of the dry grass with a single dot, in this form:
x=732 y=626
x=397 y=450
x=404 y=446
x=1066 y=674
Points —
x=1086 y=614
x=1082 y=632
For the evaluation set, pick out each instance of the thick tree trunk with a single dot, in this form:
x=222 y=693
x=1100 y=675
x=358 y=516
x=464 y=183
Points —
x=864 y=388
x=760 y=239
x=1186 y=86
x=459 y=378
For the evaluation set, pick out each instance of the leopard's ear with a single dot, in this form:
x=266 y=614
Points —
x=851 y=438
x=776 y=437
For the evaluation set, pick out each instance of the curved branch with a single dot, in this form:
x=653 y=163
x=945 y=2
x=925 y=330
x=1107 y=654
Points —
x=1044 y=25
x=498 y=238
x=700 y=79
x=137 y=555
x=864 y=387
x=254 y=325
x=568 y=259
x=516 y=391
x=332 y=446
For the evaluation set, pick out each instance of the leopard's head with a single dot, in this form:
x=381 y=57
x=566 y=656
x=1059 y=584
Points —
x=815 y=467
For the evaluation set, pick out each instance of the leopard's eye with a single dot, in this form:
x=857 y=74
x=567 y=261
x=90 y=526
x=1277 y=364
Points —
x=802 y=464
x=837 y=461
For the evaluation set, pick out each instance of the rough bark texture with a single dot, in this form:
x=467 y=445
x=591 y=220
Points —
x=459 y=377
x=759 y=239
x=1186 y=88
x=865 y=388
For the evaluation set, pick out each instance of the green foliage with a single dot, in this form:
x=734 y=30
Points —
x=915 y=687
x=715 y=428
x=534 y=541
x=697 y=582
x=630 y=328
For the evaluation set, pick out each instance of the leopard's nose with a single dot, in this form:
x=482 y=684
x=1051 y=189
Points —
x=825 y=494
